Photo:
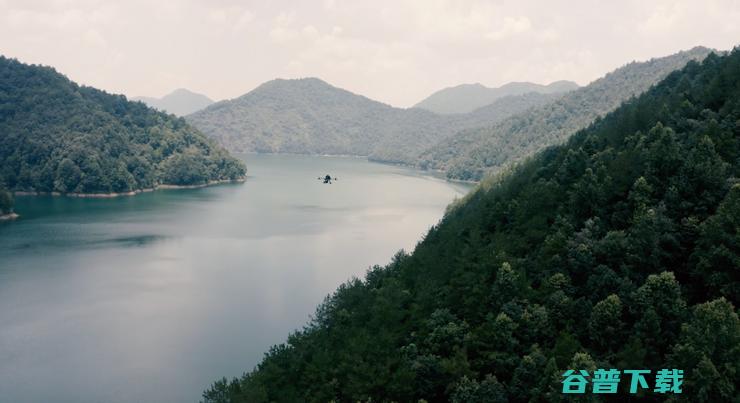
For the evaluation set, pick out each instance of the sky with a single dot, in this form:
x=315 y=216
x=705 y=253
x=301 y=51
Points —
x=394 y=51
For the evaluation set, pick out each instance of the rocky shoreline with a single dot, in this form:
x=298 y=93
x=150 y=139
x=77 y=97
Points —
x=131 y=193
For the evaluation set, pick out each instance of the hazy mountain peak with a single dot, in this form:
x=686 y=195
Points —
x=180 y=91
x=306 y=92
x=294 y=83
x=179 y=102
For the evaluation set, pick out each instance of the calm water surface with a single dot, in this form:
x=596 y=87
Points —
x=151 y=298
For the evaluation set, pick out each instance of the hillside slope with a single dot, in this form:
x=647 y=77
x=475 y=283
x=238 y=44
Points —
x=466 y=98
x=179 y=102
x=57 y=136
x=618 y=249
x=473 y=153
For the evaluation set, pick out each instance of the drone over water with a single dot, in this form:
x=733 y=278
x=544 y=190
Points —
x=327 y=178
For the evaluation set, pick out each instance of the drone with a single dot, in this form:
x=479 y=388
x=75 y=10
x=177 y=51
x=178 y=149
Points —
x=327 y=178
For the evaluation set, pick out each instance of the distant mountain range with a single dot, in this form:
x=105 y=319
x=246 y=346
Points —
x=179 y=102
x=310 y=116
x=472 y=154
x=466 y=98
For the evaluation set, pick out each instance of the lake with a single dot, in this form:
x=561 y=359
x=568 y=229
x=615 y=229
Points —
x=152 y=298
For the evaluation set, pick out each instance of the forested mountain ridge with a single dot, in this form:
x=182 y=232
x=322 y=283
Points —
x=179 y=102
x=618 y=249
x=57 y=136
x=309 y=116
x=474 y=153
x=466 y=98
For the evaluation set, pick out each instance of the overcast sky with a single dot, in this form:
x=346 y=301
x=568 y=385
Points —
x=395 y=51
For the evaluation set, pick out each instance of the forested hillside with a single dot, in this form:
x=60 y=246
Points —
x=619 y=249
x=309 y=116
x=466 y=98
x=473 y=153
x=58 y=136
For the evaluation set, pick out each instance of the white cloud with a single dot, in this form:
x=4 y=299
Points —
x=511 y=26
x=235 y=18
x=93 y=37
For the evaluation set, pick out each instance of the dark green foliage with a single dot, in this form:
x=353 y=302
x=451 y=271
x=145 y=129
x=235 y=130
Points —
x=619 y=249
x=58 y=136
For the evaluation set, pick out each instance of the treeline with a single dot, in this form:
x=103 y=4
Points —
x=619 y=249
x=57 y=136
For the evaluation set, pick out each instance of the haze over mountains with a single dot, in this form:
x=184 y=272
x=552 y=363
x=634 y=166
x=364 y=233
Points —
x=310 y=116
x=466 y=98
x=179 y=102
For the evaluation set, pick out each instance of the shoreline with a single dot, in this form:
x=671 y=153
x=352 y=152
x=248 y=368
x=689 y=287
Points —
x=8 y=217
x=111 y=195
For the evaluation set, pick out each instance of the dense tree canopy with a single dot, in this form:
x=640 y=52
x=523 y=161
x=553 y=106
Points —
x=58 y=136
x=618 y=249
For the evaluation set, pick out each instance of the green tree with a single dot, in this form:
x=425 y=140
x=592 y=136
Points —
x=68 y=176
x=472 y=391
x=506 y=285
x=717 y=256
x=660 y=307
x=708 y=351
x=605 y=324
